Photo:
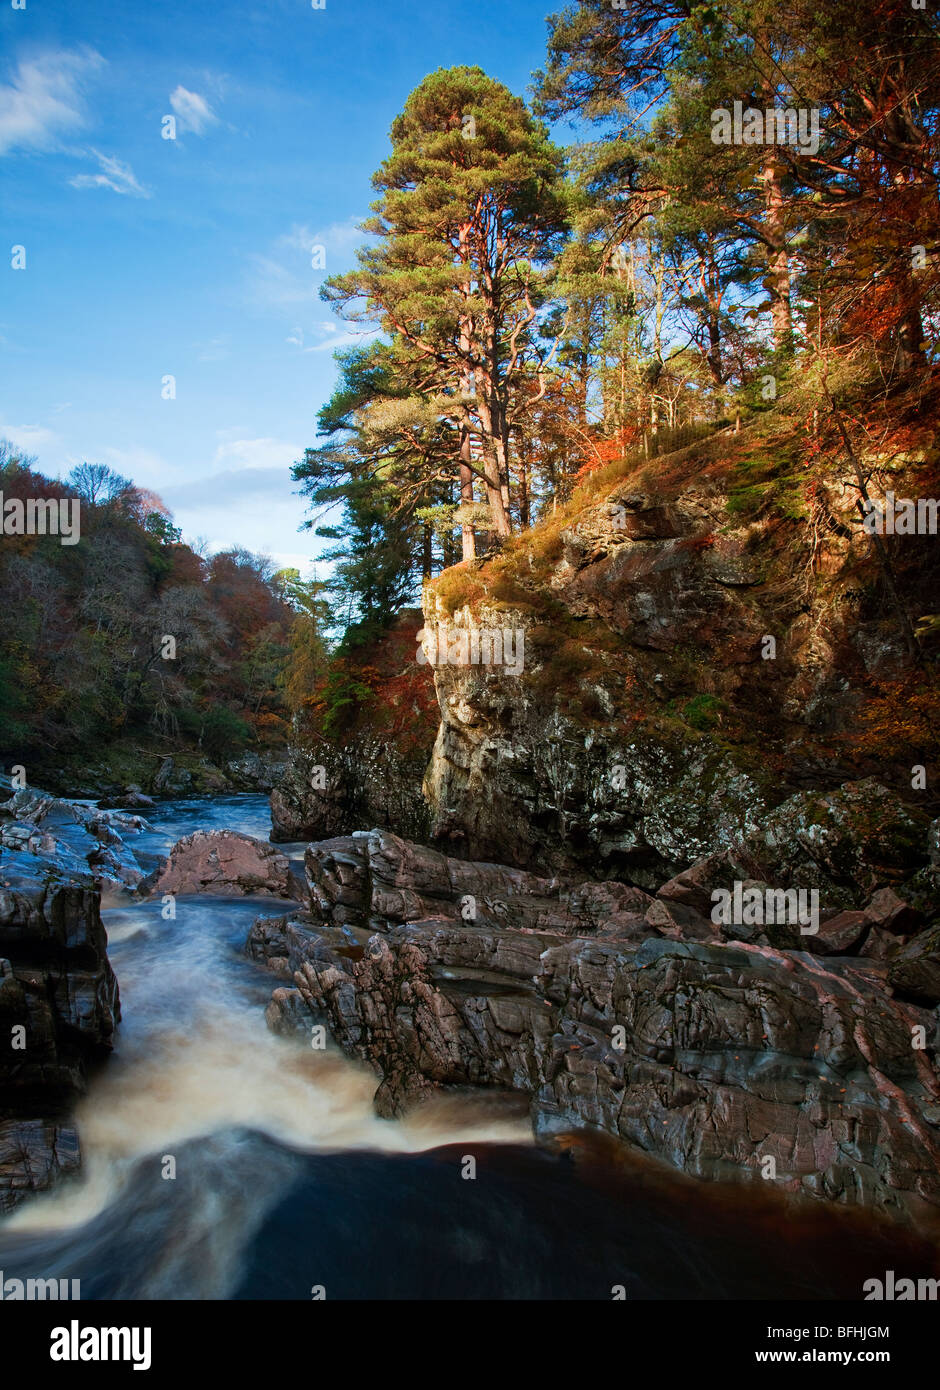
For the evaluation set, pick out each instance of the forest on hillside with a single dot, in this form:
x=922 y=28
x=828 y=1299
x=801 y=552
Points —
x=745 y=225
x=134 y=636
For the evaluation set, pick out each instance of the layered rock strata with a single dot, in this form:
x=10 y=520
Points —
x=731 y=1052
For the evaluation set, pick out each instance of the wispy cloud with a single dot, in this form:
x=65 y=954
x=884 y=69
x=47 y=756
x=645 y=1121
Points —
x=43 y=100
x=114 y=174
x=255 y=454
x=143 y=465
x=29 y=438
x=332 y=335
x=286 y=277
x=193 y=112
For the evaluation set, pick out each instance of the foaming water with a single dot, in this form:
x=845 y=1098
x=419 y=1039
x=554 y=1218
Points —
x=196 y=1077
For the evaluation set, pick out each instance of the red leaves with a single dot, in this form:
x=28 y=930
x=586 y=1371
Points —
x=598 y=452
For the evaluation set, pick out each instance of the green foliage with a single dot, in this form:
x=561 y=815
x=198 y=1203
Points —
x=343 y=699
x=14 y=703
x=222 y=734
x=471 y=209
x=703 y=712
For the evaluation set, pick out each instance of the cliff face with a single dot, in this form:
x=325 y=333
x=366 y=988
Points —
x=702 y=687
x=698 y=644
x=366 y=781
x=376 y=715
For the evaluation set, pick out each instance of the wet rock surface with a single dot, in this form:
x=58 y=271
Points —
x=73 y=837
x=33 y=1155
x=59 y=1006
x=608 y=1008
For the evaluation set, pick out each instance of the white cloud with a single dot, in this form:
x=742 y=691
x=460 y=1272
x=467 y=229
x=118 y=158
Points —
x=115 y=174
x=250 y=506
x=30 y=438
x=258 y=453
x=144 y=466
x=43 y=100
x=193 y=112
x=285 y=277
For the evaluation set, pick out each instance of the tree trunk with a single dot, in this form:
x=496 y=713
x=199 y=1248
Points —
x=884 y=559
x=711 y=283
x=911 y=336
x=468 y=541
x=778 y=265
x=493 y=463
x=523 y=482
x=426 y=551
x=494 y=493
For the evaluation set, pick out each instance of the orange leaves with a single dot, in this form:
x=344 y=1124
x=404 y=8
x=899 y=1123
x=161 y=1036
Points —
x=598 y=452
x=902 y=721
x=379 y=689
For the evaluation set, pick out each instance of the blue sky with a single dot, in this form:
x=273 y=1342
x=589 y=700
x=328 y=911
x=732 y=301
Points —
x=148 y=257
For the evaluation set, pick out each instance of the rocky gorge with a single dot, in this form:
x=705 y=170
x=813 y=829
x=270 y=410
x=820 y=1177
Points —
x=533 y=915
x=60 y=860
x=701 y=706
x=701 y=639
x=739 y=1050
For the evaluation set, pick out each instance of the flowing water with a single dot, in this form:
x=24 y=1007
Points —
x=286 y=1181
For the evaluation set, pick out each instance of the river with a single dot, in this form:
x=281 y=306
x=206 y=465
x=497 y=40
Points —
x=287 y=1184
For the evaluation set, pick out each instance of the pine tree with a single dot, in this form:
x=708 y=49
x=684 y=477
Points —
x=472 y=207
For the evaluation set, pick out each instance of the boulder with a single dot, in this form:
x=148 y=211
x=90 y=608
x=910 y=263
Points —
x=694 y=886
x=914 y=971
x=892 y=914
x=881 y=945
x=839 y=935
x=223 y=862
x=127 y=800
